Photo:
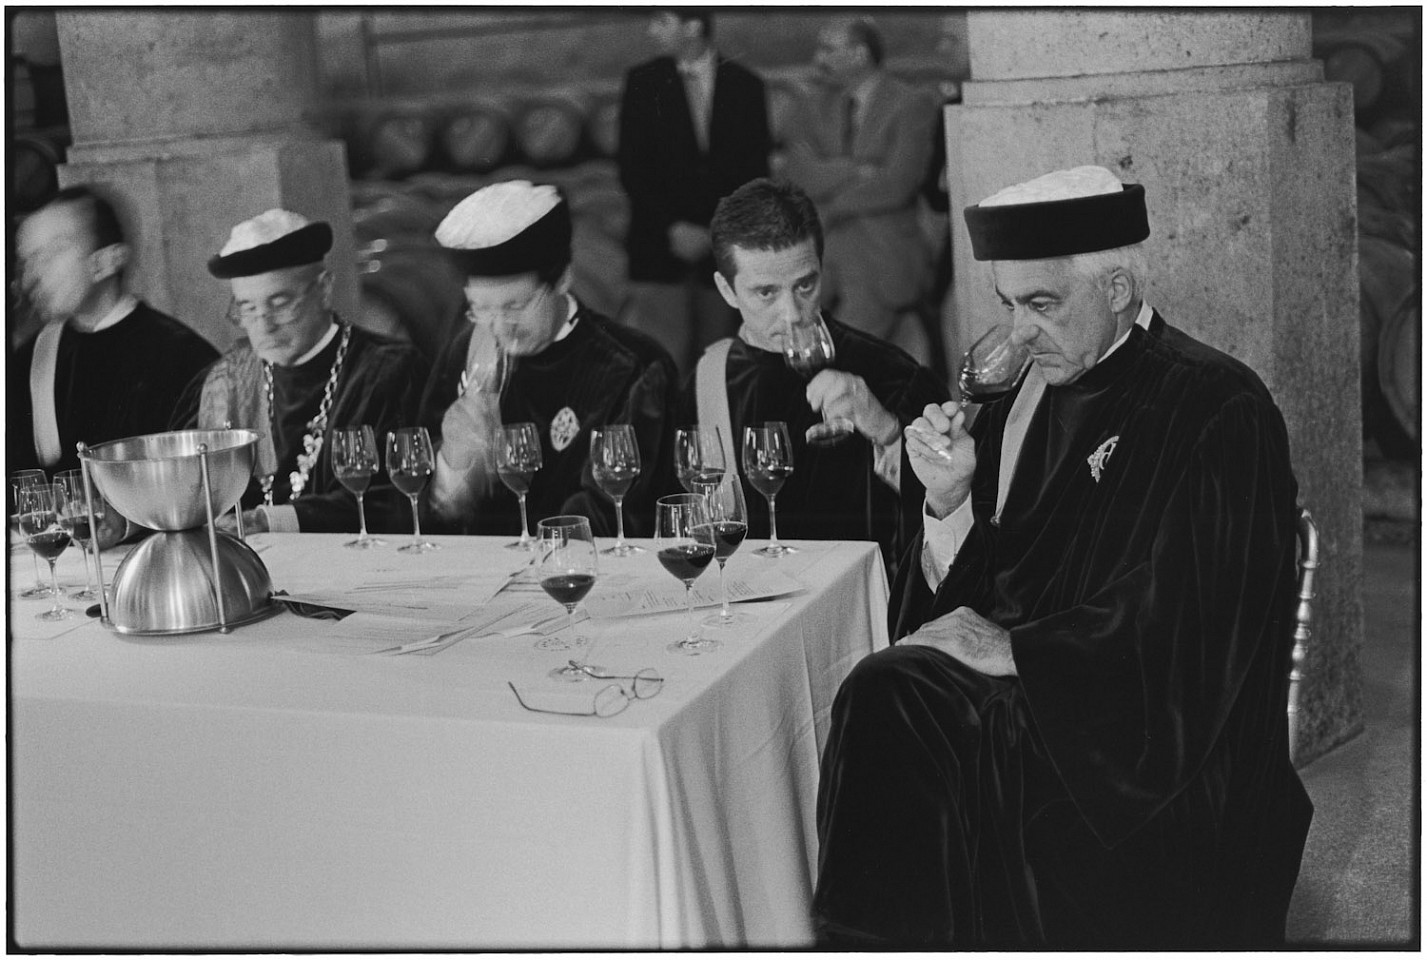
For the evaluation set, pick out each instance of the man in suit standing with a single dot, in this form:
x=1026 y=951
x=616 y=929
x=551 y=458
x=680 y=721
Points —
x=860 y=147
x=693 y=128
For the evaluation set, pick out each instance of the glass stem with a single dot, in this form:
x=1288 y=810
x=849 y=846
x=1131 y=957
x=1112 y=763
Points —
x=689 y=608
x=39 y=581
x=723 y=593
x=54 y=583
x=619 y=521
x=525 y=534
x=88 y=580
x=773 y=520
x=362 y=516
x=415 y=522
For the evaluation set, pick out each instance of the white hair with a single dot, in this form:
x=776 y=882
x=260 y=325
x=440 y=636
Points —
x=1100 y=265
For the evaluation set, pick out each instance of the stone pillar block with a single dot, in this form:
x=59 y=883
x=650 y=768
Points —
x=1249 y=173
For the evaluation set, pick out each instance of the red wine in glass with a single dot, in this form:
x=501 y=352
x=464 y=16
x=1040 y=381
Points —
x=687 y=561
x=568 y=588
x=685 y=548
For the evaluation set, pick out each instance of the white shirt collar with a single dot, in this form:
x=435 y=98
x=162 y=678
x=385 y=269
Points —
x=861 y=93
x=702 y=65
x=1142 y=319
x=126 y=305
x=326 y=339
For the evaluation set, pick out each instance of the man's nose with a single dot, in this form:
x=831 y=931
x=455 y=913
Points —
x=1024 y=329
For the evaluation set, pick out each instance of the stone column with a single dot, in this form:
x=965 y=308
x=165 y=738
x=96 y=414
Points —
x=198 y=121
x=1247 y=159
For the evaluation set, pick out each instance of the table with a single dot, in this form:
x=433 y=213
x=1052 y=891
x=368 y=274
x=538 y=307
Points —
x=250 y=791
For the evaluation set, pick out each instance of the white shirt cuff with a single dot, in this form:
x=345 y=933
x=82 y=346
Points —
x=281 y=517
x=942 y=540
x=887 y=463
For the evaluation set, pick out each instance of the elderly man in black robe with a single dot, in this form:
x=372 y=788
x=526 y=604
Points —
x=845 y=421
x=1079 y=739
x=533 y=353
x=299 y=373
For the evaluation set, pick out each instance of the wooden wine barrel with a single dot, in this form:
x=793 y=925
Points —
x=1391 y=177
x=399 y=143
x=396 y=217
x=603 y=130
x=476 y=137
x=1399 y=366
x=34 y=161
x=1366 y=58
x=550 y=129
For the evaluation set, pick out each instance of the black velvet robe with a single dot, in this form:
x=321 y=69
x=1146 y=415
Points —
x=123 y=381
x=1131 y=787
x=379 y=385
x=833 y=493
x=605 y=374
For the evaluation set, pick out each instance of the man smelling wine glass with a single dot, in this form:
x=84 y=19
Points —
x=768 y=249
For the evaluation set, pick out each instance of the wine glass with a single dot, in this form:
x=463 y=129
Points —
x=728 y=521
x=992 y=366
x=39 y=506
x=354 y=460
x=517 y=457
x=767 y=463
x=684 y=540
x=808 y=348
x=569 y=563
x=75 y=520
x=408 y=463
x=18 y=479
x=698 y=455
x=488 y=365
x=614 y=461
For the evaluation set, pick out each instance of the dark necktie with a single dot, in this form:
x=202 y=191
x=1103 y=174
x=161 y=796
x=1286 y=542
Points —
x=849 y=124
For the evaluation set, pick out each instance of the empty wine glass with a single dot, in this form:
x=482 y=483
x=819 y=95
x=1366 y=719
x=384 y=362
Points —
x=74 y=518
x=39 y=506
x=354 y=461
x=409 y=462
x=808 y=348
x=990 y=369
x=698 y=455
x=488 y=364
x=569 y=564
x=728 y=521
x=685 y=543
x=767 y=463
x=18 y=479
x=517 y=457
x=614 y=461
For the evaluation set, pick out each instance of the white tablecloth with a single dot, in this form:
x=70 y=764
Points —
x=250 y=791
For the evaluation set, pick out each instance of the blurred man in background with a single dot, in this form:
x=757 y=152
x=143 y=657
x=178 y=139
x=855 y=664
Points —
x=693 y=127
x=860 y=146
x=105 y=365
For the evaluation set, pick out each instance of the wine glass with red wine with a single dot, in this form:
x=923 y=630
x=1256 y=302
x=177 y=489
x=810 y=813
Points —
x=728 y=523
x=568 y=564
x=355 y=461
x=39 y=507
x=768 y=463
x=684 y=539
x=992 y=366
x=614 y=462
x=808 y=348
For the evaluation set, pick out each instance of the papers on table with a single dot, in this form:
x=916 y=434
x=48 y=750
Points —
x=643 y=597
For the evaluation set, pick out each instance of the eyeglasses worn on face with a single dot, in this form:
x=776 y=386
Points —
x=609 y=700
x=476 y=314
x=283 y=307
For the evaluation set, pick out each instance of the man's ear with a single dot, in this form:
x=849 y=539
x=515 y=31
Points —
x=1120 y=291
x=324 y=285
x=109 y=261
x=726 y=289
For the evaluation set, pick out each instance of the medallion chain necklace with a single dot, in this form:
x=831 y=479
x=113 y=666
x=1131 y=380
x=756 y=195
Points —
x=316 y=427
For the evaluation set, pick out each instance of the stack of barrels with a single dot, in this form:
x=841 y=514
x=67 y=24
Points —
x=1385 y=71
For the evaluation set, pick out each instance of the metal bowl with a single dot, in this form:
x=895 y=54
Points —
x=165 y=585
x=157 y=480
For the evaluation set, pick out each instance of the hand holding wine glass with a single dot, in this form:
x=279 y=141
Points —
x=18 y=480
x=409 y=461
x=684 y=540
x=355 y=461
x=989 y=371
x=569 y=564
x=808 y=349
x=698 y=455
x=767 y=463
x=614 y=461
x=517 y=457
x=728 y=523
x=39 y=507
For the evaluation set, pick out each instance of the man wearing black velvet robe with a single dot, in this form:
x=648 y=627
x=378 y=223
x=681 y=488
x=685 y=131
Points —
x=767 y=240
x=299 y=373
x=1080 y=739
x=533 y=354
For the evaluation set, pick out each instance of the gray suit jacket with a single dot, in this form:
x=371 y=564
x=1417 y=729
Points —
x=868 y=200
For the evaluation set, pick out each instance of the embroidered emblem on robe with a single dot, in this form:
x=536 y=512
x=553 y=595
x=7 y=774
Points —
x=564 y=428
x=1100 y=457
